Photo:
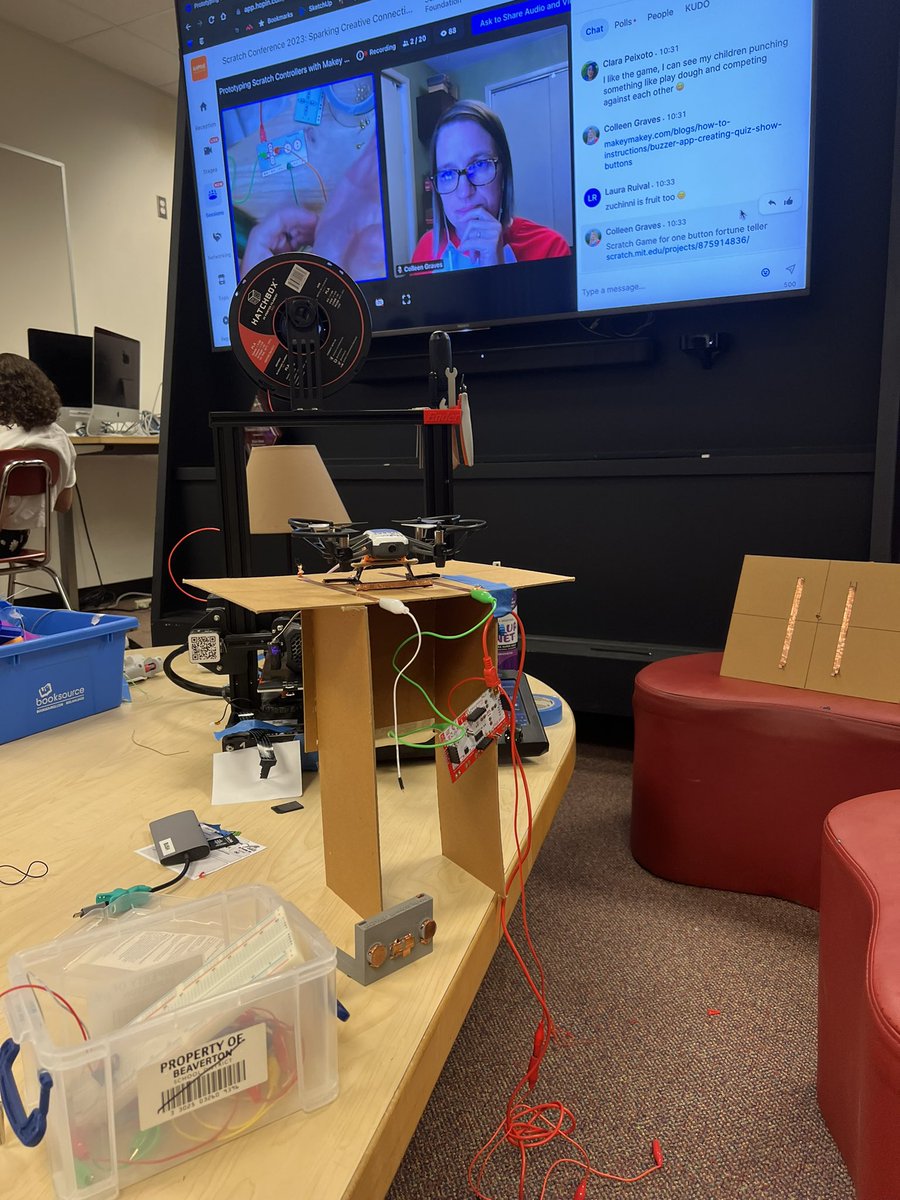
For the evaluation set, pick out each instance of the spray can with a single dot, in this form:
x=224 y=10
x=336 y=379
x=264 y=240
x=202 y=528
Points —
x=508 y=640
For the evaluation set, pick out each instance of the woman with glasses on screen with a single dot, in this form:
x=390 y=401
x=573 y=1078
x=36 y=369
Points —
x=472 y=196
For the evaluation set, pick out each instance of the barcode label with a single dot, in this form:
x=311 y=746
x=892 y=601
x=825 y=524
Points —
x=216 y=1083
x=192 y=1078
x=297 y=278
x=204 y=648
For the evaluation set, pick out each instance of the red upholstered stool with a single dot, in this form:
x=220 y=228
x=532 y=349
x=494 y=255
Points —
x=733 y=780
x=859 y=990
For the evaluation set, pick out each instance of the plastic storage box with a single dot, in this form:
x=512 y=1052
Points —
x=72 y=670
x=183 y=1054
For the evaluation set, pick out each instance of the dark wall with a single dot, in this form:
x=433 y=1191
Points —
x=649 y=479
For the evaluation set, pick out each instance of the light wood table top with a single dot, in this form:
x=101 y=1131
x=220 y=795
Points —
x=81 y=797
x=150 y=441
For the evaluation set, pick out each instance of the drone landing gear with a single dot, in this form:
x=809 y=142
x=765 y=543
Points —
x=374 y=585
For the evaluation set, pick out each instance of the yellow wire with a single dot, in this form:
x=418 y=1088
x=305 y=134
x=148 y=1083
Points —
x=265 y=1106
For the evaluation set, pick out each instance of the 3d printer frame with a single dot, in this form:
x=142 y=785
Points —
x=228 y=429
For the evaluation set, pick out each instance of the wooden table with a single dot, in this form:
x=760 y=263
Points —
x=81 y=797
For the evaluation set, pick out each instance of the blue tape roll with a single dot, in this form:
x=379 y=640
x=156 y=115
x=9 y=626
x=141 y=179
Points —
x=549 y=709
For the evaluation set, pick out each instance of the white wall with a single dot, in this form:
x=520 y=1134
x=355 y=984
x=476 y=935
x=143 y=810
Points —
x=116 y=138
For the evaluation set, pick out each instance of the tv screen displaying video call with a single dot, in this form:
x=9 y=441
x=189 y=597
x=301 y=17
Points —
x=472 y=165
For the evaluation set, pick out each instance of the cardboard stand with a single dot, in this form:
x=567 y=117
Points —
x=348 y=643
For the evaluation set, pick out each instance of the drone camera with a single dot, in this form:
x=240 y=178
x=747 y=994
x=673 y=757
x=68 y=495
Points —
x=386 y=543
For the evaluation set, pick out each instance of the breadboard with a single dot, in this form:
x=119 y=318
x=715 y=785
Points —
x=263 y=951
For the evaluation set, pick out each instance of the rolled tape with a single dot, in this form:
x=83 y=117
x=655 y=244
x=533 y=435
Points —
x=549 y=709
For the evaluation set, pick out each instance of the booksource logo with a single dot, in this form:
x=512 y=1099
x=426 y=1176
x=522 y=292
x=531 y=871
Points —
x=47 y=699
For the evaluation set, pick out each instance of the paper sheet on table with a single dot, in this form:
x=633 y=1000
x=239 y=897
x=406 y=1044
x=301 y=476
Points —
x=214 y=861
x=236 y=775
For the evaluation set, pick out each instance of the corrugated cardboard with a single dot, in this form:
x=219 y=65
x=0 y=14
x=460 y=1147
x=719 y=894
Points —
x=763 y=644
x=857 y=646
x=289 y=481
x=824 y=625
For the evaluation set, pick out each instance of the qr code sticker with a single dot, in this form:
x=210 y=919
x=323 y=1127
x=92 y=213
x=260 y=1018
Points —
x=204 y=647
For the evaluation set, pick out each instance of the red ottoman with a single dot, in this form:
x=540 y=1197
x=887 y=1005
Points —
x=859 y=990
x=733 y=780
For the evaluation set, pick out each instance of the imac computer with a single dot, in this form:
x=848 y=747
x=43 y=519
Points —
x=67 y=361
x=116 y=387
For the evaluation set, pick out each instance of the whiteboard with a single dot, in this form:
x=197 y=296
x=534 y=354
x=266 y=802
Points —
x=34 y=251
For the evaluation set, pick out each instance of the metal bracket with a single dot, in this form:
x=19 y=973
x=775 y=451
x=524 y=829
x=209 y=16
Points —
x=391 y=940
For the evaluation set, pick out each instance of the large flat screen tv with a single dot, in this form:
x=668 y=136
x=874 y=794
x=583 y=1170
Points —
x=473 y=165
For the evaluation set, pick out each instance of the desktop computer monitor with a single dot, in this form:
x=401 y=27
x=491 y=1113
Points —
x=67 y=361
x=117 y=376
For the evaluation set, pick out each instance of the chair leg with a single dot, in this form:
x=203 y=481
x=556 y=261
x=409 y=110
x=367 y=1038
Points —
x=11 y=585
x=59 y=585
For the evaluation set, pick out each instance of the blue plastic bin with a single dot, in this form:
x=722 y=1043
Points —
x=73 y=670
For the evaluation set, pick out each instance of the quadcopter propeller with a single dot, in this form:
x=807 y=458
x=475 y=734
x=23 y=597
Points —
x=431 y=534
x=335 y=541
x=444 y=523
x=309 y=527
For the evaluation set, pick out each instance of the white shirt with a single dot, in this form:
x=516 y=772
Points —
x=27 y=512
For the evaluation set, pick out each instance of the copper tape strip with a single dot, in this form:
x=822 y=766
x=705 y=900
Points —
x=792 y=621
x=845 y=625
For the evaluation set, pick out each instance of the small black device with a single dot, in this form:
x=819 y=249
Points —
x=531 y=740
x=287 y=806
x=179 y=838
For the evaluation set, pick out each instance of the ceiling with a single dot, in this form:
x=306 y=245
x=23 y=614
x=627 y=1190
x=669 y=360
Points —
x=136 y=37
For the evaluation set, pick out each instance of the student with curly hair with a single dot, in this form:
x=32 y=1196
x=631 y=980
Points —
x=29 y=406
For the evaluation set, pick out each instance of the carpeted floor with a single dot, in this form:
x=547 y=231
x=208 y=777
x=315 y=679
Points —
x=635 y=964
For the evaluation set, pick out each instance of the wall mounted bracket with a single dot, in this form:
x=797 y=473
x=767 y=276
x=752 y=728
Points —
x=705 y=346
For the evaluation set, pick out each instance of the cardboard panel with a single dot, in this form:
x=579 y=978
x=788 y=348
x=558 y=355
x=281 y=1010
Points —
x=346 y=743
x=289 y=481
x=756 y=646
x=768 y=585
x=386 y=632
x=274 y=593
x=310 y=720
x=875 y=602
x=470 y=808
x=869 y=665
x=842 y=626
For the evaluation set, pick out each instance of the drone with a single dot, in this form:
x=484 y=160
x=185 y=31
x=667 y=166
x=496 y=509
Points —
x=356 y=548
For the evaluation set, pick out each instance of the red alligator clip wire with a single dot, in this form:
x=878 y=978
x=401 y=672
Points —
x=537 y=1054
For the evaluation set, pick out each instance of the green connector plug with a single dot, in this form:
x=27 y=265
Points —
x=121 y=900
x=481 y=596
